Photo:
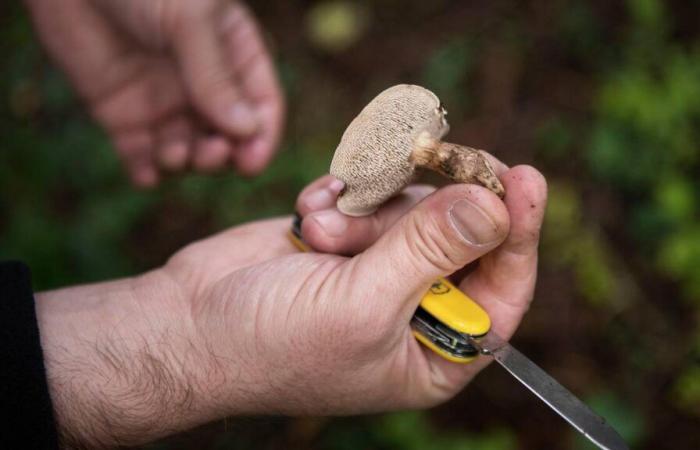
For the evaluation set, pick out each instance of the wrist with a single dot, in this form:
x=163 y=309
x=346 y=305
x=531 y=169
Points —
x=122 y=362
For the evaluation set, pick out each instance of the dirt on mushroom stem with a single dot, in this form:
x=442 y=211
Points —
x=458 y=163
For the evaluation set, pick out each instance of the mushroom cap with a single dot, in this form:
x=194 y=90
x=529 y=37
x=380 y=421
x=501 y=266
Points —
x=373 y=158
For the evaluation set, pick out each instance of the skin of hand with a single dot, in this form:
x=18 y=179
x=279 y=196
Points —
x=241 y=323
x=173 y=82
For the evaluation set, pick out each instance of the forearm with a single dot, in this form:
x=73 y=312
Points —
x=120 y=361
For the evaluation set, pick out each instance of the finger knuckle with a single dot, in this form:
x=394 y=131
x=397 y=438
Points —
x=428 y=244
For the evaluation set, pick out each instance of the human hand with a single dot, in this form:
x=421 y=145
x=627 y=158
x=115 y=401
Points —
x=503 y=281
x=326 y=334
x=241 y=324
x=173 y=82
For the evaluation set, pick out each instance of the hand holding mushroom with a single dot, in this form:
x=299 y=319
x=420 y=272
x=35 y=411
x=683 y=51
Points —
x=265 y=329
x=396 y=135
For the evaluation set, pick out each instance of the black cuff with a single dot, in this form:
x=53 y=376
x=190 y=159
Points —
x=25 y=404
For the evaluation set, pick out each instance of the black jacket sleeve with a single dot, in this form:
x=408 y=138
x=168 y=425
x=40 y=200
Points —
x=26 y=411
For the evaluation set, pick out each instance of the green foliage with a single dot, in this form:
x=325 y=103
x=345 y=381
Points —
x=569 y=241
x=336 y=25
x=686 y=389
x=648 y=16
x=645 y=140
x=676 y=199
x=625 y=419
x=679 y=256
x=67 y=207
x=580 y=31
x=446 y=73
x=644 y=145
x=411 y=431
x=554 y=138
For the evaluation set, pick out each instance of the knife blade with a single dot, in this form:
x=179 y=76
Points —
x=556 y=396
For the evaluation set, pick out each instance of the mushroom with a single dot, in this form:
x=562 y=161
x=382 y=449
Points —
x=397 y=133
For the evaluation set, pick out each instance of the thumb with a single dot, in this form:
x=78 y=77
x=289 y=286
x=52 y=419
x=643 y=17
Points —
x=209 y=77
x=446 y=231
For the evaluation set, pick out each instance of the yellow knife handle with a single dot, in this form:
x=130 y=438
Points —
x=445 y=314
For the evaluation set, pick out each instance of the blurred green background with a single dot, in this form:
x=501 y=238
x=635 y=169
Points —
x=603 y=97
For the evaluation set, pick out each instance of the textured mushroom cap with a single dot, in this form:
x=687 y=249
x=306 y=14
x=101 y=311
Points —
x=373 y=158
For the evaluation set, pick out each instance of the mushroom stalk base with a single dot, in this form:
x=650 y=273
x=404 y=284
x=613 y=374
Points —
x=458 y=163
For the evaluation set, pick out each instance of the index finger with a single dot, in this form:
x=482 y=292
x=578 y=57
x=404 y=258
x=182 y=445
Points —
x=504 y=281
x=255 y=73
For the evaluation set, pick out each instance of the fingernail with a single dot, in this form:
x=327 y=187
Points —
x=320 y=199
x=472 y=222
x=336 y=186
x=243 y=116
x=324 y=197
x=331 y=221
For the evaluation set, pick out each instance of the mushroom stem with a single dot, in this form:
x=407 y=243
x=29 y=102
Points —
x=457 y=162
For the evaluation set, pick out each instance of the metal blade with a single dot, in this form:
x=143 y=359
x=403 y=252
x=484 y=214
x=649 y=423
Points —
x=573 y=410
